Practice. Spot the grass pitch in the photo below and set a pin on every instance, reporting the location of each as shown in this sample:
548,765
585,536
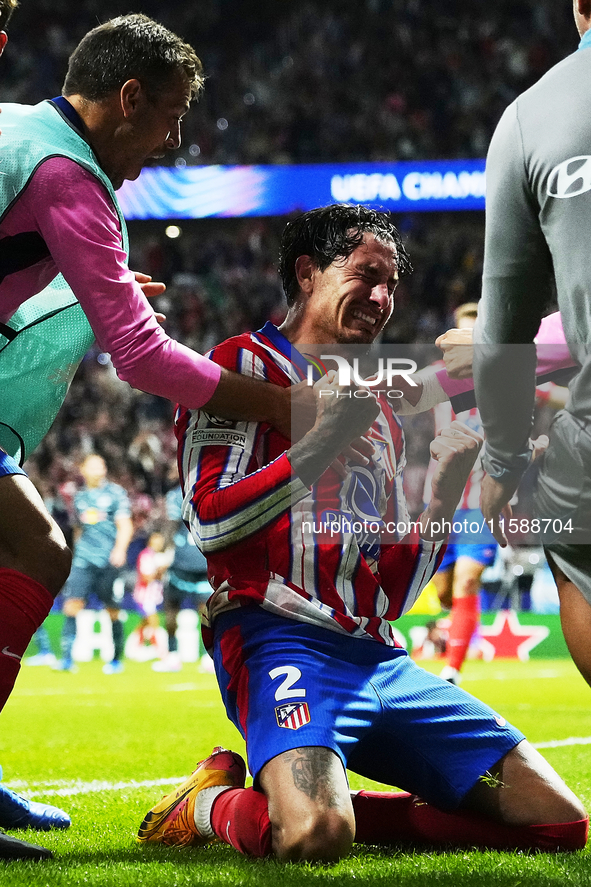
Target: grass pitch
105,748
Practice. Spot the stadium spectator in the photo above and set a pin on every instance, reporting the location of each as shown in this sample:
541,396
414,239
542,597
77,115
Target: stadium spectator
300,627
386,81
536,210
102,535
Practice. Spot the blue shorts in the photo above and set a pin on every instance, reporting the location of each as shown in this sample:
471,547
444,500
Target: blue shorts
184,584
470,528
286,684
483,554
90,579
9,466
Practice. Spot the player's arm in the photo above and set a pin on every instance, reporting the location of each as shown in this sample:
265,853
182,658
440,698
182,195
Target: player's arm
234,496
516,287
79,220
124,536
424,394
238,397
454,381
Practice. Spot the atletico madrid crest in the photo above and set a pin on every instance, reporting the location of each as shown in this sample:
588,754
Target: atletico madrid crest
293,715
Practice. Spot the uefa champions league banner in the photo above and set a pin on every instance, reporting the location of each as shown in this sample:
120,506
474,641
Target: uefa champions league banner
196,192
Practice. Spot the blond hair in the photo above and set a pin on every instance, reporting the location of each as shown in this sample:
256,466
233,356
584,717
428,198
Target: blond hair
468,309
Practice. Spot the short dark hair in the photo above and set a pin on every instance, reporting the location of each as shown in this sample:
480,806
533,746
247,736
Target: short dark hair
331,232
125,48
7,7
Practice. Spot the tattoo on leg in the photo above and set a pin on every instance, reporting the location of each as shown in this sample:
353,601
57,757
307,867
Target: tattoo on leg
310,769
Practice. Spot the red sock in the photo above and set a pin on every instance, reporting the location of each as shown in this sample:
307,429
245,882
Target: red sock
24,604
465,617
388,817
383,817
240,817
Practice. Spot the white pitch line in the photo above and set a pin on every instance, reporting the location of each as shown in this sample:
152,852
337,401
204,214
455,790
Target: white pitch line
558,743
63,788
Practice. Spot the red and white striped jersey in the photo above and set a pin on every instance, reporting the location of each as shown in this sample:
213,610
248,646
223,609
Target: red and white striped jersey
331,555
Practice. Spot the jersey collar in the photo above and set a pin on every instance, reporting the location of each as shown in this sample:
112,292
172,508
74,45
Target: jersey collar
70,112
286,348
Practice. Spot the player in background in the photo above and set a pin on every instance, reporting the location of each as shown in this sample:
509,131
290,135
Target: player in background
62,162
300,617
102,535
185,579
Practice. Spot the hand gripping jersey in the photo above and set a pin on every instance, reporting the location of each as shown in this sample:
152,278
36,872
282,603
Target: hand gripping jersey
331,556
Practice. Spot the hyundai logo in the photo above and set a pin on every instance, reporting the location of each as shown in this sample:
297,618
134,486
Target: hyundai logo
570,178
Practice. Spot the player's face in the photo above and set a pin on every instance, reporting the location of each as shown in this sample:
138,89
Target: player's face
352,300
151,129
93,470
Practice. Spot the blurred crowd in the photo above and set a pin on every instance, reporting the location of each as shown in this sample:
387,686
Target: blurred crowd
287,83
324,80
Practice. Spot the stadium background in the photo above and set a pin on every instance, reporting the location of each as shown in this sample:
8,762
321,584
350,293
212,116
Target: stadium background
331,82
371,80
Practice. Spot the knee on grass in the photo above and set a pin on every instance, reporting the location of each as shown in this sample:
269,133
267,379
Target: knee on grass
327,837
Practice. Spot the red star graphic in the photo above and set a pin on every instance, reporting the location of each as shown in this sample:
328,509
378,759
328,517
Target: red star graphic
506,638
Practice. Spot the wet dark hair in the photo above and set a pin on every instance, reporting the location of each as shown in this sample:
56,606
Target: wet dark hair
130,47
7,7
333,232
